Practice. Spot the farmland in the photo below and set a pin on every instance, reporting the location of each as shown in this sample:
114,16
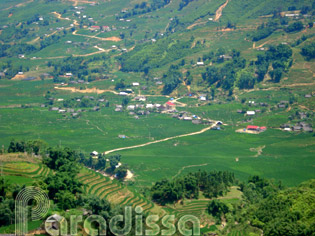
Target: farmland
105,102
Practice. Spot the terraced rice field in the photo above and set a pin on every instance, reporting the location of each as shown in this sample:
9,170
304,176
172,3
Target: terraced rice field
97,184
25,169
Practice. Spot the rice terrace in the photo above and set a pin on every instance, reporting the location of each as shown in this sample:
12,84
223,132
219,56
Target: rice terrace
197,116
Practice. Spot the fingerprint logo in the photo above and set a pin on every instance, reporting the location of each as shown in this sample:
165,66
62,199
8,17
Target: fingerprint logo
38,210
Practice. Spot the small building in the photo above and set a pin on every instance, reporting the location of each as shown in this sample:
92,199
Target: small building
307,129
68,74
281,105
135,84
225,57
149,106
94,153
189,118
95,27
203,98
170,106
196,122
296,128
253,127
250,113
308,96
122,136
131,107
123,93
54,109
200,63
239,111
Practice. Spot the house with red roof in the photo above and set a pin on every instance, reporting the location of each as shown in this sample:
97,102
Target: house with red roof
256,128
95,27
170,106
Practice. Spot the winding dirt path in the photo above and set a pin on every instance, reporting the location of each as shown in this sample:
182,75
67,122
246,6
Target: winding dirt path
87,90
114,39
218,13
161,140
185,167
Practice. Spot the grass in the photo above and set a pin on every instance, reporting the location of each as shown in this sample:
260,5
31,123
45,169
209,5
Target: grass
278,159
32,225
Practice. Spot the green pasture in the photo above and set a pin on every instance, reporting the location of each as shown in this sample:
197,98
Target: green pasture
285,156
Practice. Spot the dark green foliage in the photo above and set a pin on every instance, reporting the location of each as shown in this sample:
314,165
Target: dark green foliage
246,81
217,208
276,75
280,59
183,4
212,184
308,51
31,146
277,211
63,187
262,33
62,159
121,172
3,188
224,76
295,27
120,85
171,80
7,213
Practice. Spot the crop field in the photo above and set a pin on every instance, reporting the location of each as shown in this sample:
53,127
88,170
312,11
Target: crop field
285,156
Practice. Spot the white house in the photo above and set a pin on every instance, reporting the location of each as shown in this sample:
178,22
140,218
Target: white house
135,84
68,74
94,153
250,113
149,106
123,93
131,107
203,98
200,63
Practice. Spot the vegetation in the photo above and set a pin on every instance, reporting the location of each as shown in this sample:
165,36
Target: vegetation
212,184
308,51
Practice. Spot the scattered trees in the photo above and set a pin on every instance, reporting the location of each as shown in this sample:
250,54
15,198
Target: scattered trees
212,184
308,51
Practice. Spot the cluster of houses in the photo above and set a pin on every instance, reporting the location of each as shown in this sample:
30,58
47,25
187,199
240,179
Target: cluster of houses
283,104
300,126
75,112
145,109
104,28
66,110
253,111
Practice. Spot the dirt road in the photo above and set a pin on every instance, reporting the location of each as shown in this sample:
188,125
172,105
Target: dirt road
218,13
161,140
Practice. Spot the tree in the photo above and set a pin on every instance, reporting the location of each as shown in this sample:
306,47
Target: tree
308,51
66,200
125,101
217,208
276,75
3,188
294,27
121,172
246,81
